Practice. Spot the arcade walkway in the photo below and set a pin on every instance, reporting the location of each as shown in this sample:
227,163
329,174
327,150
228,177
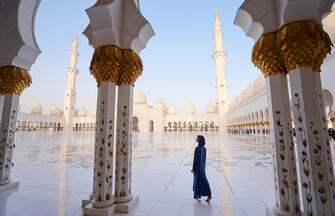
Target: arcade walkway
55,175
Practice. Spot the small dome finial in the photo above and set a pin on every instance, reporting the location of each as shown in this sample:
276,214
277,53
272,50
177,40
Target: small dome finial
76,37
217,14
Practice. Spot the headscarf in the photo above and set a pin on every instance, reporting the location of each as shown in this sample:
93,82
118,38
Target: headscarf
201,140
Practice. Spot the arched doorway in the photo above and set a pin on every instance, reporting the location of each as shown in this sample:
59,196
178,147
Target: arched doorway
135,124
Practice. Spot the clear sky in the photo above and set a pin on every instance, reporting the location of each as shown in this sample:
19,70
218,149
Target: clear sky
178,67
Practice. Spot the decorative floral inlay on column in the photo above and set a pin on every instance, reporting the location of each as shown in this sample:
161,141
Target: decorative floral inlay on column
327,146
100,152
6,147
109,161
104,151
306,164
284,184
123,174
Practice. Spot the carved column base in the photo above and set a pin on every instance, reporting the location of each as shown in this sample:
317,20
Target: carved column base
124,199
90,210
128,206
274,211
103,204
125,207
9,185
85,202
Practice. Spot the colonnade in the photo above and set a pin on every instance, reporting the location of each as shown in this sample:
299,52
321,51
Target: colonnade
293,44
251,123
191,126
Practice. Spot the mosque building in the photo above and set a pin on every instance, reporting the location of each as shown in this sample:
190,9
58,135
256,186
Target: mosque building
246,113
159,117
292,102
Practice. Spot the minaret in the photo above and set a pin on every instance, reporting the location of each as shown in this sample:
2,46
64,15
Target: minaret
70,95
221,82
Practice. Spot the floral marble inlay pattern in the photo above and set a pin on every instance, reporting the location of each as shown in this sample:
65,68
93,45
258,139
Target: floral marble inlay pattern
327,147
304,158
104,155
286,173
311,154
7,135
123,163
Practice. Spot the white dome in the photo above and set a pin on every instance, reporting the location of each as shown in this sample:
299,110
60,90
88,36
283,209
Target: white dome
210,108
171,109
190,109
36,109
82,112
55,111
94,111
140,98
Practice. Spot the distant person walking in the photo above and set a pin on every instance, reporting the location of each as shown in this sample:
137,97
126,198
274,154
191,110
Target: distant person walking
200,183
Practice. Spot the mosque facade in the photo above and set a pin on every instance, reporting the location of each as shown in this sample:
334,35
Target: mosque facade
246,114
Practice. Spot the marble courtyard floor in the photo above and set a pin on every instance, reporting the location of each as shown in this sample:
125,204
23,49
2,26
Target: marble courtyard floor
55,174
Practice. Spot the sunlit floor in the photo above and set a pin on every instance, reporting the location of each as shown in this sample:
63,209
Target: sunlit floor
55,174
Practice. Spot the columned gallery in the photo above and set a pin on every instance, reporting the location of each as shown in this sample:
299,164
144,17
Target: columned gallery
125,149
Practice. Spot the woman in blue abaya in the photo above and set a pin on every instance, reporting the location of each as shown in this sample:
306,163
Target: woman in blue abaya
200,183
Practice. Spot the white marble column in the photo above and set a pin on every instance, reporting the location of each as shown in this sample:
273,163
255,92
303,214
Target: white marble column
7,137
284,162
104,146
123,172
325,134
312,151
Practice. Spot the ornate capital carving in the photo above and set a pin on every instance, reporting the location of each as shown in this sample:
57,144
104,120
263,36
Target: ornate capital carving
298,44
131,69
13,80
304,44
266,55
112,64
106,64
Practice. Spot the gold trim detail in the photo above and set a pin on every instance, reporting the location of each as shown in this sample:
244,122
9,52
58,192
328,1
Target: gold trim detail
304,44
131,69
106,64
13,80
267,57
295,45
113,64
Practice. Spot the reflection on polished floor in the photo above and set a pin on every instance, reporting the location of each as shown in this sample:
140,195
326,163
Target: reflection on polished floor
55,174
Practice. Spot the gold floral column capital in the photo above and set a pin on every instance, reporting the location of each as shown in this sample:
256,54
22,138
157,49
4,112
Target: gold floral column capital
106,64
13,80
303,44
113,64
267,57
131,68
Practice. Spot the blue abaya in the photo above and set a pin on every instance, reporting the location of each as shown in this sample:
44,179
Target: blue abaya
200,183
